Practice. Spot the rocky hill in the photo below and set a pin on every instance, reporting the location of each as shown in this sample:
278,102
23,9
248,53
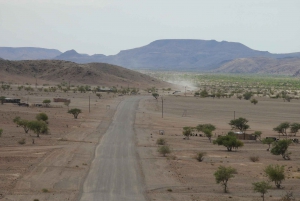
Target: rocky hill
27,53
72,55
58,71
261,65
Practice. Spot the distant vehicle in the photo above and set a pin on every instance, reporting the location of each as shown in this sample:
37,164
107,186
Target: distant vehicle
239,132
12,100
23,104
37,105
176,92
295,140
274,138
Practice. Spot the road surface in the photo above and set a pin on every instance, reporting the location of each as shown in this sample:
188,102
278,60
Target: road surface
114,174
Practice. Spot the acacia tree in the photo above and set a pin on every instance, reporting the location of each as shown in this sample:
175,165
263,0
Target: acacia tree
38,127
229,141
81,89
75,112
268,141
155,95
204,93
98,95
282,128
294,128
22,123
207,129
187,132
281,148
240,124
42,117
275,173
223,174
2,99
257,135
261,187
47,102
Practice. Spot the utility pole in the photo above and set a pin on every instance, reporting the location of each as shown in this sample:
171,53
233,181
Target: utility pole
234,115
185,91
35,81
89,104
162,107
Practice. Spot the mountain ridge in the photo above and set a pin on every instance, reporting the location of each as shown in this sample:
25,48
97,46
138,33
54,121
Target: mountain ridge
174,54
180,54
27,53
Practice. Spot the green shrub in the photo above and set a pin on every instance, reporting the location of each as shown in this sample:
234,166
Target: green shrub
164,150
42,117
161,141
288,197
22,141
200,156
45,190
254,101
247,95
254,158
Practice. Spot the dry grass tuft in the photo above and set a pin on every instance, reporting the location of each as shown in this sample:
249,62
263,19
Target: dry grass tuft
254,158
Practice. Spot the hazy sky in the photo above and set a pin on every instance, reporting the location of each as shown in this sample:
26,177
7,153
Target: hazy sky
108,26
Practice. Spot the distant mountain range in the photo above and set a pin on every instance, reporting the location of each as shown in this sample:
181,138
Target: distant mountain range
176,55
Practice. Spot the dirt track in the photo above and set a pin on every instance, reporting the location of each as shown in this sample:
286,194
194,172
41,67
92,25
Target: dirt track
114,173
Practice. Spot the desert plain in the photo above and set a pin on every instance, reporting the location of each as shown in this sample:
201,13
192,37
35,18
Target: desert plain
56,165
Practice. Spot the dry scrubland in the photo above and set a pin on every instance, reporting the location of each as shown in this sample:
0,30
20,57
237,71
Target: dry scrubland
181,177
54,167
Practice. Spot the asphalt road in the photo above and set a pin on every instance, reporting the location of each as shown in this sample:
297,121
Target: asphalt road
114,174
